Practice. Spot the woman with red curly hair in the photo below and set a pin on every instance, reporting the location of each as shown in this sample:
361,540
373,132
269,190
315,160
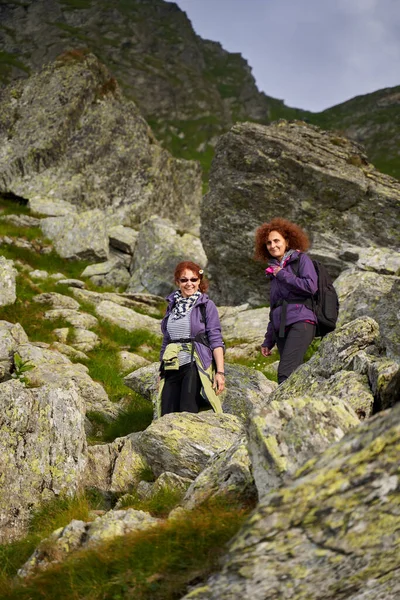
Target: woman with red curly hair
294,282
191,340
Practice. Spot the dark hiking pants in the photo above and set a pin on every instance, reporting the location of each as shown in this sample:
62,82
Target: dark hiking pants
181,390
293,347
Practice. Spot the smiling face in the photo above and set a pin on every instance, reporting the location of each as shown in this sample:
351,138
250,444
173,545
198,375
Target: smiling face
276,245
188,287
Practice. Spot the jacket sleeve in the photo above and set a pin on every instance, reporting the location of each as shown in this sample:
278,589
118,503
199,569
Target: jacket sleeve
306,281
269,337
213,329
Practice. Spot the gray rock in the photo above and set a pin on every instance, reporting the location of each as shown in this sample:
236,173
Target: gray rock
50,207
84,340
182,443
295,170
53,368
100,268
8,275
325,529
69,351
126,318
21,220
74,283
338,255
242,323
11,336
147,303
57,300
39,274
246,388
144,381
365,293
116,466
78,237
74,317
129,361
158,250
228,475
42,449
118,277
123,238
329,374
285,434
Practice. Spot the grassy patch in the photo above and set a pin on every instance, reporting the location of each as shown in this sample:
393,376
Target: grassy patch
158,564
159,505
50,516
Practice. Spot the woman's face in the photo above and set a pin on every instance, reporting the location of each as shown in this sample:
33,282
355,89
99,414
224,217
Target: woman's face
188,283
276,245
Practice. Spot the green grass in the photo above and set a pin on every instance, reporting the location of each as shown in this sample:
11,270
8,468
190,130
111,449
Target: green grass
158,564
159,505
50,516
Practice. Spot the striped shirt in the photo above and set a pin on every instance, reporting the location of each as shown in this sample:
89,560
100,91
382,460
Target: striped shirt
180,329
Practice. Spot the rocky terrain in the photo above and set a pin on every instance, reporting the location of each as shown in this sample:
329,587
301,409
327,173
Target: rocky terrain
314,448
292,489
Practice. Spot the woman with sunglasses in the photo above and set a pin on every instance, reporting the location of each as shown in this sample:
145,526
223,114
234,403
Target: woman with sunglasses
192,351
294,282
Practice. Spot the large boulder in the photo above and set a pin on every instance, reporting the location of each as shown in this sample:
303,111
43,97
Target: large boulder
332,372
182,443
315,178
333,532
42,449
378,296
126,318
246,389
54,368
243,323
320,402
80,236
158,250
68,133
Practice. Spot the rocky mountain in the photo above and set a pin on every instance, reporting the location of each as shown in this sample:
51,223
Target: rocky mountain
190,90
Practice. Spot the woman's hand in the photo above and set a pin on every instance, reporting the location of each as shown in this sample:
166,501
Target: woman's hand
276,271
265,351
219,383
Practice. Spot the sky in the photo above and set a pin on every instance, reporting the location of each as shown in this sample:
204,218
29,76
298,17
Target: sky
313,54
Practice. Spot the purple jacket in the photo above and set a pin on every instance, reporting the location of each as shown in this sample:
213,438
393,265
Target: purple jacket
213,329
286,286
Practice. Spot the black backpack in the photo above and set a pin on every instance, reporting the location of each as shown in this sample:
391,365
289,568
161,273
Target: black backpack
325,302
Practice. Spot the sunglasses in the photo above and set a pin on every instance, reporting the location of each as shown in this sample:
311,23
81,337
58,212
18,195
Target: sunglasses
185,279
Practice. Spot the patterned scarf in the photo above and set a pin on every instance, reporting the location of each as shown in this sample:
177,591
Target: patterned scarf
183,305
274,262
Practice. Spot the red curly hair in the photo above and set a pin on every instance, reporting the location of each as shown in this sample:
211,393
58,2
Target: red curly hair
195,268
296,238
